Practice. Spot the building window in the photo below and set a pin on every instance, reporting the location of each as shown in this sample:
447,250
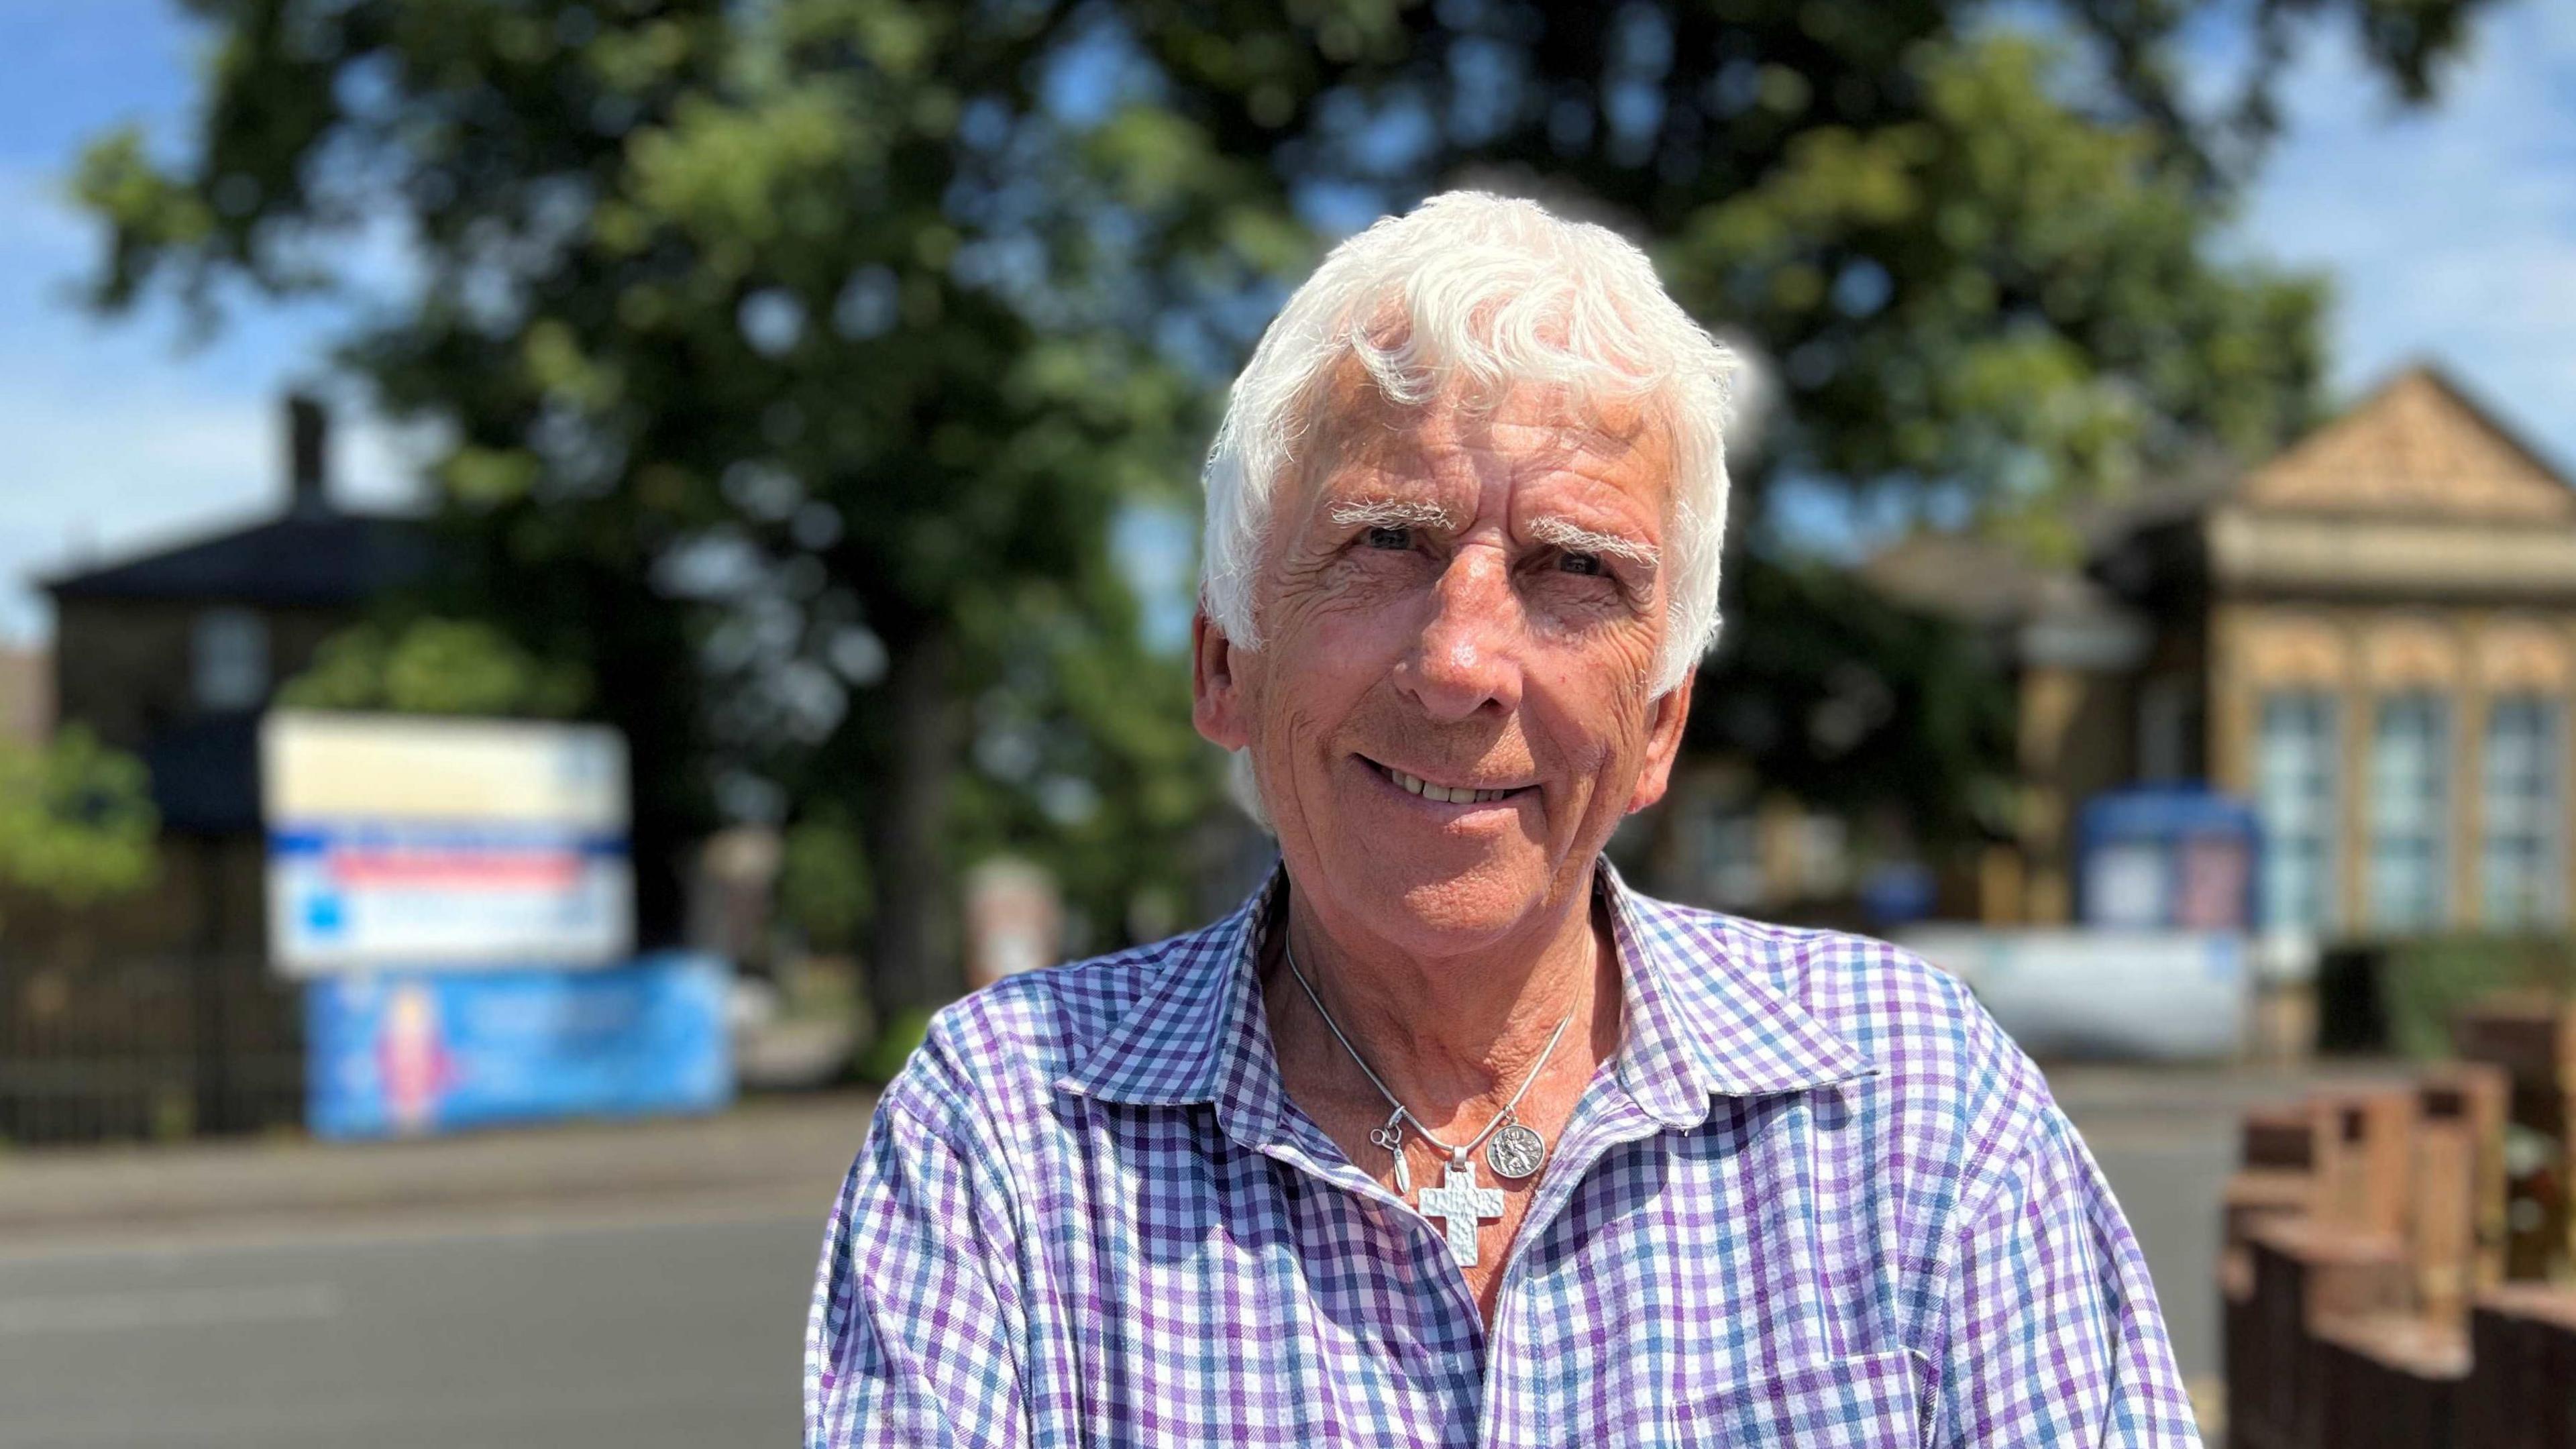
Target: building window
2295,774
2410,755
228,659
2519,810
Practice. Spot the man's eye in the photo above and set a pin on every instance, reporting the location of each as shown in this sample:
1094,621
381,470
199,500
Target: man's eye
1390,537
1579,563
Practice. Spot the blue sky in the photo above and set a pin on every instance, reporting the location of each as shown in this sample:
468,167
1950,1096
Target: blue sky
2449,235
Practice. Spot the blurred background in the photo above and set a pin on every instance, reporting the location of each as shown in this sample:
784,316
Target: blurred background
570,571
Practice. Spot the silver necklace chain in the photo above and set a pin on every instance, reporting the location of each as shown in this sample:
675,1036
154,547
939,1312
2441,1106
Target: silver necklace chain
1457,1155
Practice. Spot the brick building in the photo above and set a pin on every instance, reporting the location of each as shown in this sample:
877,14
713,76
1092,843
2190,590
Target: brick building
2371,637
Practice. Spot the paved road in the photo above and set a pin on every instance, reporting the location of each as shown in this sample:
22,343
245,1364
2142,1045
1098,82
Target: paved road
676,1328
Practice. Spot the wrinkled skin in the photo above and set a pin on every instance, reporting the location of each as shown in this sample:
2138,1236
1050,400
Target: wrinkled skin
1472,652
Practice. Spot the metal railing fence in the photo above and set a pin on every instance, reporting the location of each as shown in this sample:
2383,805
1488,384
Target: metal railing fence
147,1048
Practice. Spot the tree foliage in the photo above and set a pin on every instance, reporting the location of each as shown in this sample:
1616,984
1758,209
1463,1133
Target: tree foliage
796,357
435,666
763,382
76,820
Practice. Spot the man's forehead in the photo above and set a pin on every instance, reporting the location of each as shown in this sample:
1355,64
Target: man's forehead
1368,443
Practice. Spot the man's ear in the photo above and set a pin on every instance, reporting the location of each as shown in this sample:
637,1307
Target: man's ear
1663,743
1217,705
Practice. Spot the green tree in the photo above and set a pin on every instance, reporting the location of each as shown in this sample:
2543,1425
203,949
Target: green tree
435,666
798,355
764,375
76,821
1975,250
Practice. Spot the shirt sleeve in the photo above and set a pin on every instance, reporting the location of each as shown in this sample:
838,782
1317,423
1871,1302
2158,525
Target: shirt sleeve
2054,1335
913,1337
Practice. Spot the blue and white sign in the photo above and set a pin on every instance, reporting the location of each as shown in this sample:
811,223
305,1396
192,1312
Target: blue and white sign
2167,858
435,843
407,1052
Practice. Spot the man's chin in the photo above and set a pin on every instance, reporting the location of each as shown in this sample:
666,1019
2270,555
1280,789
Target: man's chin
1444,890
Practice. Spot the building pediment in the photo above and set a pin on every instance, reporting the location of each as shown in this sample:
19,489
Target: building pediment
2418,448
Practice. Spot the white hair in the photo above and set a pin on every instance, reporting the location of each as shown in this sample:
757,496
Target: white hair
1476,293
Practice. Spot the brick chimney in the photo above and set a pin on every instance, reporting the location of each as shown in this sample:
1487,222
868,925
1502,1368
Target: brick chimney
307,432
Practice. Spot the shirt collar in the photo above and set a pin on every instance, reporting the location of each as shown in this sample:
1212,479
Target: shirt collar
1198,1034
1700,1022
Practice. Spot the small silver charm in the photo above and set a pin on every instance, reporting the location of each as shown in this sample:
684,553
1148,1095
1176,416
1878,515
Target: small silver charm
1391,1137
1514,1152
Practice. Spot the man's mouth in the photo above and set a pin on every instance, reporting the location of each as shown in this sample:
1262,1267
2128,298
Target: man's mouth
1445,794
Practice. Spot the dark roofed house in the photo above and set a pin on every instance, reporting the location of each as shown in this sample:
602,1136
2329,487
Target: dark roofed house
174,653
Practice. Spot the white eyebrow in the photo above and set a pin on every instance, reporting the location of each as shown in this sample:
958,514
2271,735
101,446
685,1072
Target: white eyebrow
1390,513
1562,534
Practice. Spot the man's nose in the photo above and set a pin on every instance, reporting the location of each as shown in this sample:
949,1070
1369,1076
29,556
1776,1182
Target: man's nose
1468,656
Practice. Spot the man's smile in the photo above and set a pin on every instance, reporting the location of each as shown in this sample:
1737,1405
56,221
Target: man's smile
1454,798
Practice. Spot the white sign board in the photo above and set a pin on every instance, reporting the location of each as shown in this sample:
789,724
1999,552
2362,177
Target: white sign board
404,841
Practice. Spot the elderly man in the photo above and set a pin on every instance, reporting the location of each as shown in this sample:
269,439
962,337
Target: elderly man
1445,1136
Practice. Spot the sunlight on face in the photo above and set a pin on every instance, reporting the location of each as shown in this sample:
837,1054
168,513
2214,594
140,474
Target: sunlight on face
1466,603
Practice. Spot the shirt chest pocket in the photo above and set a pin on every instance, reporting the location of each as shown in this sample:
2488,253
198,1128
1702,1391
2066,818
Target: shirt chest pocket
1865,1402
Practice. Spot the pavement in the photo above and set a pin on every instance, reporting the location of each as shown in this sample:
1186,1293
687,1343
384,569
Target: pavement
776,1151
638,1284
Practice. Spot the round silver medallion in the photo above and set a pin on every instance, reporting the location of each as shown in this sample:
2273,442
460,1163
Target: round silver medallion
1514,1151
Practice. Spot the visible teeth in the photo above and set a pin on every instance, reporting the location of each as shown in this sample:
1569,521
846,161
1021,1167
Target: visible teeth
1442,793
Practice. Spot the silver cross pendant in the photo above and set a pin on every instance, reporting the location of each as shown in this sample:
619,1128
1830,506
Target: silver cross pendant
1461,1204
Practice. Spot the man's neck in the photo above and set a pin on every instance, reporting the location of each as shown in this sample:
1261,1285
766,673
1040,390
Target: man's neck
1455,1035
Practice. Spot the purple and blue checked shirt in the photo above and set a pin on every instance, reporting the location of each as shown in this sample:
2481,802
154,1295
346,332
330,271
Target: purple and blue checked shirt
1817,1199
